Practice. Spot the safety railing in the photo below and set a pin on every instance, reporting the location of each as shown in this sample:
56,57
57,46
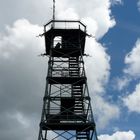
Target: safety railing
64,24
66,72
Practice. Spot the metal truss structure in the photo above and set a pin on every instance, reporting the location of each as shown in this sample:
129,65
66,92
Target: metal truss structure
67,112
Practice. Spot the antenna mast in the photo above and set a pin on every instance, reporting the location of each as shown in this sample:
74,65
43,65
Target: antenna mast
53,9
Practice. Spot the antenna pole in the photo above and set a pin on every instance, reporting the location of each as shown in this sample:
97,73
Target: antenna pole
53,9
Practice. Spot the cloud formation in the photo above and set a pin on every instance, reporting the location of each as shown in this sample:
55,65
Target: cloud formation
19,37
98,72
131,70
132,61
22,72
98,11
138,4
131,73
115,2
119,135
121,82
132,101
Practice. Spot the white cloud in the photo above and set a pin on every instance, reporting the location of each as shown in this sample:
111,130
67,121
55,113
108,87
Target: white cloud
119,135
21,72
20,118
114,2
98,11
98,72
68,14
120,83
105,112
132,101
132,61
138,4
97,65
131,70
21,35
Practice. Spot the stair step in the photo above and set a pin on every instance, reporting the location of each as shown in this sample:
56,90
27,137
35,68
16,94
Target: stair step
77,95
73,59
73,64
75,88
77,102
81,107
78,87
74,70
74,67
80,110
77,92
78,105
74,73
82,138
82,133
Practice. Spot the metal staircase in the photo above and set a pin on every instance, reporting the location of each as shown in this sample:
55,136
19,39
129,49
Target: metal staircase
83,135
77,91
73,67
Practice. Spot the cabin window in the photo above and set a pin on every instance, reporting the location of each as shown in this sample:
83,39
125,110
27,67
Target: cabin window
57,42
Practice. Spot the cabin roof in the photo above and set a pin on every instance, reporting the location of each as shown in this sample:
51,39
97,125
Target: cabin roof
65,24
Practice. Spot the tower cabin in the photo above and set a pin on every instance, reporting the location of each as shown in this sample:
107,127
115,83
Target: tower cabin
64,37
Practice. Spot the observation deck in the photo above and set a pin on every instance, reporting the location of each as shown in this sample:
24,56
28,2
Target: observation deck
64,38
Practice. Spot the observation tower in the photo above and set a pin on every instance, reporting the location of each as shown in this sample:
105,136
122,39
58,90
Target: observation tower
67,112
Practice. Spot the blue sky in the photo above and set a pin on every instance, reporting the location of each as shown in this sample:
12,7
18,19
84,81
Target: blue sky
113,70
119,41
123,36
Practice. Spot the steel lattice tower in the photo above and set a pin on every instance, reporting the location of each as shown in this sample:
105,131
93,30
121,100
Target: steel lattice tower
67,112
